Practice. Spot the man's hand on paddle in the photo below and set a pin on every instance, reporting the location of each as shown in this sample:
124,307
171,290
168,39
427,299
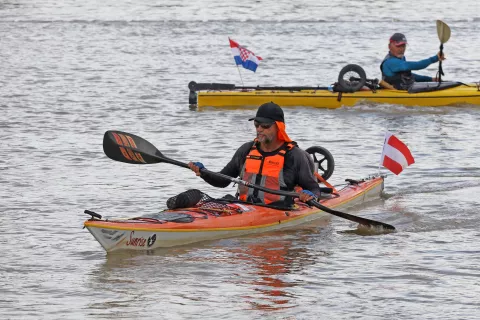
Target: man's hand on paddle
306,195
441,57
196,167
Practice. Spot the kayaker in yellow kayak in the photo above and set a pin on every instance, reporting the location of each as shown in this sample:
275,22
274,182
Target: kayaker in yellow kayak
397,71
272,160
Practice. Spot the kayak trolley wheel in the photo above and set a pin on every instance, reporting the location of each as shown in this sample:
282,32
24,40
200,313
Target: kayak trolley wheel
192,85
322,160
352,78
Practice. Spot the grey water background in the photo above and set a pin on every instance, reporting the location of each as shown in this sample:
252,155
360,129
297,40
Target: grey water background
70,70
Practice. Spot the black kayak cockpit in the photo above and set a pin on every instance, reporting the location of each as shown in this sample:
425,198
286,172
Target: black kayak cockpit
419,87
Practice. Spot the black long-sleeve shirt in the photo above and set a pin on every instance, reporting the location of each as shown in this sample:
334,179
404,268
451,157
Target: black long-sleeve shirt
297,169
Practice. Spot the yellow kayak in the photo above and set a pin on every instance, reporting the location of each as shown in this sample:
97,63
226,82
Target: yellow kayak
448,94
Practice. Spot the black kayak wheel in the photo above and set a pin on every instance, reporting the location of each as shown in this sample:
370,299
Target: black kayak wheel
323,161
192,85
352,78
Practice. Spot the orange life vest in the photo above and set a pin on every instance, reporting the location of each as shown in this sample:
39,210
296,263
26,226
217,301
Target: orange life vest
263,171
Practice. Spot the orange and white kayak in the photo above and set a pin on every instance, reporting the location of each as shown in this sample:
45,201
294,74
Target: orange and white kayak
206,222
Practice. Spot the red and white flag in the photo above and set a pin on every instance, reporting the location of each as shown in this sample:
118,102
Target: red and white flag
395,155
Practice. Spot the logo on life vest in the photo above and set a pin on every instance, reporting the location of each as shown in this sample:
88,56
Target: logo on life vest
273,163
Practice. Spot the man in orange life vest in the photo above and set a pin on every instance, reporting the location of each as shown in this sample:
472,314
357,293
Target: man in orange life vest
272,160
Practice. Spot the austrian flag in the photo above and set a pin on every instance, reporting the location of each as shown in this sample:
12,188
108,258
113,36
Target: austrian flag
395,155
244,57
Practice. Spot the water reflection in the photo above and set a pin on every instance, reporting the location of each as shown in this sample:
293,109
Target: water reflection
272,262
259,271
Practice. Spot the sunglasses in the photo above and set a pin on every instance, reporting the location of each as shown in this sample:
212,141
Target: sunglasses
263,125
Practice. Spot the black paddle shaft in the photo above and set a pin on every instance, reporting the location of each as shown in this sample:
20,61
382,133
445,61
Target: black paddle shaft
440,69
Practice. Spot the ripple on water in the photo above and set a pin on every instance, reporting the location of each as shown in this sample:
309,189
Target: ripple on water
71,71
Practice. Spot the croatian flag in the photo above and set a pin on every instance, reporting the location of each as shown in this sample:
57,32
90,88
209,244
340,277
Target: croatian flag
395,155
244,57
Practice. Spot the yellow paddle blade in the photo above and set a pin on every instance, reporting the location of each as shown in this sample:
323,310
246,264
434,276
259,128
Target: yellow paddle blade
443,31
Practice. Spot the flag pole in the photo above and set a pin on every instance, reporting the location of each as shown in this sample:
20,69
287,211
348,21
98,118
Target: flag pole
240,74
383,150
241,80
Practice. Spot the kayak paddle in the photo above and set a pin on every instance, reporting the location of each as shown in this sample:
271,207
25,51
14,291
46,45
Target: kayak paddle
129,148
443,31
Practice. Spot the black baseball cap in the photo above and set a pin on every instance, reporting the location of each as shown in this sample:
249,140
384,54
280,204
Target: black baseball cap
268,113
398,39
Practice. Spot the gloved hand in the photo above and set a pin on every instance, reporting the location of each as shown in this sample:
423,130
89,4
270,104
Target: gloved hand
199,165
307,195
196,167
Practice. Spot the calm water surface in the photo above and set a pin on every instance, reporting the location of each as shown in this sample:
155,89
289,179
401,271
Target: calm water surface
73,69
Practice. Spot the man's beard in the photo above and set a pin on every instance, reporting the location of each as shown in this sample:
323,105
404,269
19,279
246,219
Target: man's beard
266,139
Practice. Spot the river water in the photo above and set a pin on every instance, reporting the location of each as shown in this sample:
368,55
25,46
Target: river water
70,70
